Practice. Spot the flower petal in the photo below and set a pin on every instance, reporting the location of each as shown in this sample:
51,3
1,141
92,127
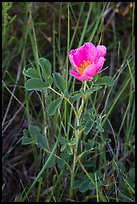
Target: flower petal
101,49
79,56
93,69
91,51
78,76
83,78
100,63
86,52
73,73
71,54
87,61
90,70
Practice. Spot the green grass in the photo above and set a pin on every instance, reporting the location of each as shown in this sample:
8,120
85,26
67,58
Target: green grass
51,30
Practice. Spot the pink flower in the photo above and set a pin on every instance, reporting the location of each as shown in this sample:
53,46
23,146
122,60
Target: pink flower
87,61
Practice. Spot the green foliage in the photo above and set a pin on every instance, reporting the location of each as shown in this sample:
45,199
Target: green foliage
35,84
26,139
46,67
66,145
89,145
107,81
75,96
41,141
33,131
52,162
132,174
126,183
66,94
83,184
33,136
91,120
46,70
61,163
31,72
91,90
59,82
53,106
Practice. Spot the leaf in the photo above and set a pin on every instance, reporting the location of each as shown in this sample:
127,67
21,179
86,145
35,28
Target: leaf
52,162
132,173
66,94
84,186
31,72
129,182
92,89
91,111
46,70
104,182
99,127
59,81
48,80
121,167
53,106
88,127
63,140
46,67
107,141
72,142
86,116
61,163
34,131
80,175
108,81
26,133
63,147
64,143
35,84
90,115
76,184
69,150
89,145
75,96
65,156
26,140
41,141
83,183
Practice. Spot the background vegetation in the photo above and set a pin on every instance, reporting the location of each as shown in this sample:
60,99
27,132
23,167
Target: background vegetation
42,29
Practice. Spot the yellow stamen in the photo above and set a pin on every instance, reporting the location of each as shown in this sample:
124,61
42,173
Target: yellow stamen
82,67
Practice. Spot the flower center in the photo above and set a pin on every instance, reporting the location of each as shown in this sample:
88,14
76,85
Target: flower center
83,66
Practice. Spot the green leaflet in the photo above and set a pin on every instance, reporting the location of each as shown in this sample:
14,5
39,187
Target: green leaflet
45,66
53,106
46,70
35,84
59,81
107,81
31,72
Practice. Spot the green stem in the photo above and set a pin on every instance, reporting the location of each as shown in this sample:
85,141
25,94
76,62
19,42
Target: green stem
74,160
77,133
76,138
82,102
76,114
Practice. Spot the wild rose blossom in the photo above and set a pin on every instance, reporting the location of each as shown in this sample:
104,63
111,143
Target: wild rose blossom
87,61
